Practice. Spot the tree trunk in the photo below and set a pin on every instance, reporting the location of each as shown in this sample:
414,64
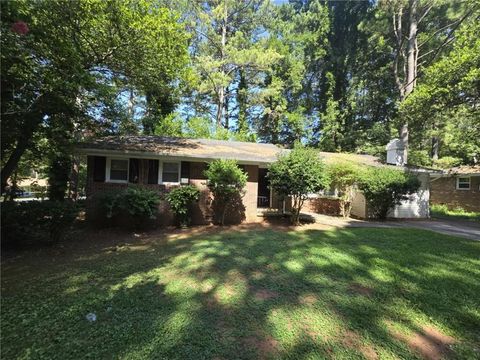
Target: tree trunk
131,105
32,121
404,138
226,111
411,48
411,68
221,90
220,105
242,103
224,211
435,147
73,188
13,160
398,29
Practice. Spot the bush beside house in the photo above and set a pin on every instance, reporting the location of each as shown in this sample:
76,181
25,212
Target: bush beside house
134,205
297,174
180,200
344,176
226,181
384,188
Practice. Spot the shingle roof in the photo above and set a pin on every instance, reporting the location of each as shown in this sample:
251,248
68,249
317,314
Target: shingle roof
187,148
207,149
464,170
360,159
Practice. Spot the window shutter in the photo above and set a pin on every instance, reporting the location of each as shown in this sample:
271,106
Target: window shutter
99,164
133,171
185,170
153,171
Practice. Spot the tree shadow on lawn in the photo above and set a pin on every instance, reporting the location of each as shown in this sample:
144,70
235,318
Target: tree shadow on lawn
250,293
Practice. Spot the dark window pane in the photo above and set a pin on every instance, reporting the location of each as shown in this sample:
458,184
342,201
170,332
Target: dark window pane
170,167
118,169
170,172
119,164
118,175
170,177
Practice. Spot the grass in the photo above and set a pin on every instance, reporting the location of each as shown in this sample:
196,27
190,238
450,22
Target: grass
443,212
246,294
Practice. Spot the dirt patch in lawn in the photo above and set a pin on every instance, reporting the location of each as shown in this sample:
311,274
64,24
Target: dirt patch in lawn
265,294
353,341
257,275
429,343
308,299
265,346
360,290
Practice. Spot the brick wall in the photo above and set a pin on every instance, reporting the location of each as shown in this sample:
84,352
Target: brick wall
202,211
322,205
444,191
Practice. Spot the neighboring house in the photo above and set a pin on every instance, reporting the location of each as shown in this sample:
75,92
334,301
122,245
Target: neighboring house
161,163
457,187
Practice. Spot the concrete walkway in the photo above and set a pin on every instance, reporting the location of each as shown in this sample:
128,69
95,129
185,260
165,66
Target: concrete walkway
462,228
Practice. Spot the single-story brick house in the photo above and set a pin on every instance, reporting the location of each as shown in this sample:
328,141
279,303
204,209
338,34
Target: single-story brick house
161,163
457,187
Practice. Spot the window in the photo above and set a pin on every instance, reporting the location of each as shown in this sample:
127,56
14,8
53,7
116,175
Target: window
170,173
463,183
117,170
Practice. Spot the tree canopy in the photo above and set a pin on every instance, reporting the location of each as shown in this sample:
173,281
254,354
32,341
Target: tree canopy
66,66
336,75
298,174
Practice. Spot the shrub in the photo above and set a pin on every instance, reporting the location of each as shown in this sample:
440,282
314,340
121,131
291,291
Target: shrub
344,177
297,174
180,200
58,176
419,158
32,222
138,202
40,192
447,162
226,182
384,188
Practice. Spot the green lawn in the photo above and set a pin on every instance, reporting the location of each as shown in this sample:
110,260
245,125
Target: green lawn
443,212
345,294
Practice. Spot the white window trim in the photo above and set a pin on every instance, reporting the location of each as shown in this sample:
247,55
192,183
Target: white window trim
160,173
108,166
469,182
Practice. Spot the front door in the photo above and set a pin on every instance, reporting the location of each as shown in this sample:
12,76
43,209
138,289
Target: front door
263,200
